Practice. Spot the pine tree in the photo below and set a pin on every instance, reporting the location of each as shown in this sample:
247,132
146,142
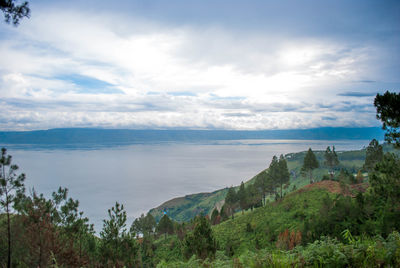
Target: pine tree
284,175
242,197
118,245
201,242
387,110
260,185
310,163
231,200
373,155
331,160
165,226
11,187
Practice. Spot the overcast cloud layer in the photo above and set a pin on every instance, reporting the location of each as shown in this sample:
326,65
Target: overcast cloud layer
204,65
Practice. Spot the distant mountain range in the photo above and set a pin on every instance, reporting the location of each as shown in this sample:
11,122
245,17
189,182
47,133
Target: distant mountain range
128,136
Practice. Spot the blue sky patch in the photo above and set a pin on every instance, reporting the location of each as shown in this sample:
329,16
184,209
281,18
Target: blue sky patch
90,85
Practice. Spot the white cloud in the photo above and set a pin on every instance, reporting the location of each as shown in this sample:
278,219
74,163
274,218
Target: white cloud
275,81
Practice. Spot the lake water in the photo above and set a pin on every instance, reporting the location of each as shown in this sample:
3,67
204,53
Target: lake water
142,176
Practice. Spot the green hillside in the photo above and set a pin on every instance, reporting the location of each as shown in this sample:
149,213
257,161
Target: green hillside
183,209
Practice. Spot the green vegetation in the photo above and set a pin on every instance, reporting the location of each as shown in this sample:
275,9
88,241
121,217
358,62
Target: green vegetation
309,164
387,110
338,221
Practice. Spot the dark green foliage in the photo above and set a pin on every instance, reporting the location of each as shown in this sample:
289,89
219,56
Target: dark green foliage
388,111
11,188
385,188
385,180
254,199
231,200
165,226
14,12
118,246
242,197
260,185
144,225
346,177
331,159
373,155
310,163
283,174
201,241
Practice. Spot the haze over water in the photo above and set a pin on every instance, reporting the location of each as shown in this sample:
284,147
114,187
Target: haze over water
142,176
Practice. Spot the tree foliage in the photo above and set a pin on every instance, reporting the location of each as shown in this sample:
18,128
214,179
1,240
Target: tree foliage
331,159
118,247
231,200
373,155
388,111
201,242
144,225
165,226
13,12
11,188
283,174
310,163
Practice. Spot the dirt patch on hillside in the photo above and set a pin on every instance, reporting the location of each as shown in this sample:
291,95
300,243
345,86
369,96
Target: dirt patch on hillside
334,187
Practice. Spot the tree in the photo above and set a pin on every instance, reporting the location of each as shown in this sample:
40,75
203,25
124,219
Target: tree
144,225
254,199
385,191
283,174
373,155
310,163
201,241
11,187
231,200
260,185
165,226
14,12
242,197
388,111
118,245
331,160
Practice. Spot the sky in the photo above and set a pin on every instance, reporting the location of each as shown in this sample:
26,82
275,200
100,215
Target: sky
179,64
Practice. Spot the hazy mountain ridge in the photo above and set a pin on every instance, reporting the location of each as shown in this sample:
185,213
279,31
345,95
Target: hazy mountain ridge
128,136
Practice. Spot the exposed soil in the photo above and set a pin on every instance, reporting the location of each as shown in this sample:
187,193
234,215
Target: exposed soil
334,187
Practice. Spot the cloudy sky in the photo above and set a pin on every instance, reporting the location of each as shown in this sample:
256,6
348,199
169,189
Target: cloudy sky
210,64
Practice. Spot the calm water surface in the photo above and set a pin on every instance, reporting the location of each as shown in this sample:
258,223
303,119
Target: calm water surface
143,176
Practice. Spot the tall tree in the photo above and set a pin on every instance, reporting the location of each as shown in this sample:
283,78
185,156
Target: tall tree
242,197
231,200
260,185
254,199
14,12
310,163
11,187
201,242
144,225
331,160
118,245
373,155
388,111
165,226
283,174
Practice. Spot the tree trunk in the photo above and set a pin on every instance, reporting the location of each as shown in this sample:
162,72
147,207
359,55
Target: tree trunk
8,236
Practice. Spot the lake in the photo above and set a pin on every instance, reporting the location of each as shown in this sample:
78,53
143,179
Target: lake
142,176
